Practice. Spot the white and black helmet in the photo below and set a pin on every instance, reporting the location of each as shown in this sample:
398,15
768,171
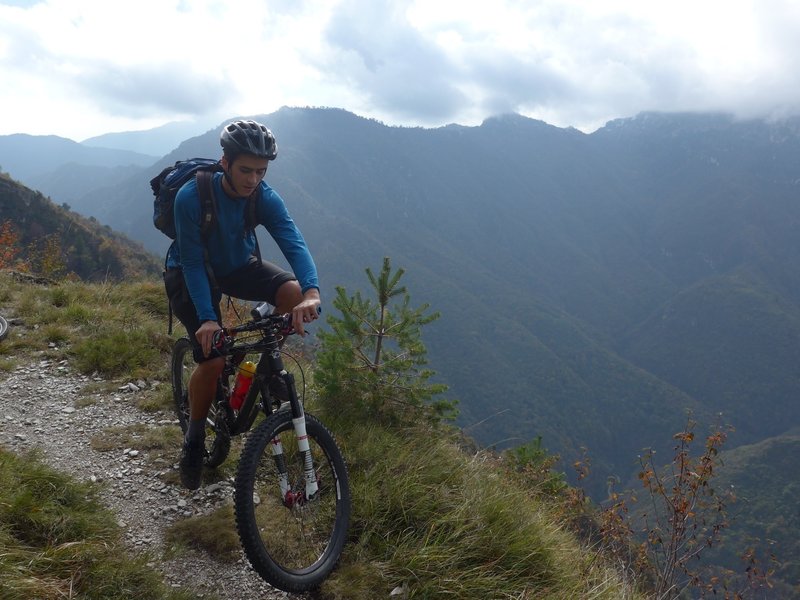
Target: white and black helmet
248,137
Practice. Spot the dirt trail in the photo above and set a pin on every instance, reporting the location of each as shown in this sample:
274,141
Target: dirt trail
38,409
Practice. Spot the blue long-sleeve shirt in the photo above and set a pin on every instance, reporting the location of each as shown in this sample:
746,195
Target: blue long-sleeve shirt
229,245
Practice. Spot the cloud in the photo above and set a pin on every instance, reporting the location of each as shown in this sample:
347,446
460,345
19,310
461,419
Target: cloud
139,90
509,83
84,64
374,48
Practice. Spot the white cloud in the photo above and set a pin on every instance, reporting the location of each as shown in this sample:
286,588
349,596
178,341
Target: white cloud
83,67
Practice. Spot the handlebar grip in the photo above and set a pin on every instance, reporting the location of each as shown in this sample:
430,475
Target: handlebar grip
289,317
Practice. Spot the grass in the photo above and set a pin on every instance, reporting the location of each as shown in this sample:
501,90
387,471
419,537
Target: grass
428,517
57,541
439,523
213,533
114,330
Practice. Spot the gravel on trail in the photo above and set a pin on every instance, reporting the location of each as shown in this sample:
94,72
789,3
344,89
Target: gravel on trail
44,405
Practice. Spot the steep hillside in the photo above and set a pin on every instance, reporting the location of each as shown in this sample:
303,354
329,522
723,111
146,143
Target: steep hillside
730,327
569,268
68,243
766,514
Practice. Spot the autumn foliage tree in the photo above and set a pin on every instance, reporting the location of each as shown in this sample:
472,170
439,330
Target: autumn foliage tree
9,248
49,257
683,515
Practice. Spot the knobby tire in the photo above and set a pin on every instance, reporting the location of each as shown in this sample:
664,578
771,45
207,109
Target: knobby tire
292,548
3,327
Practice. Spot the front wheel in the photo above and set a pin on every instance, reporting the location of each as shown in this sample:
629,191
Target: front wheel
218,439
292,541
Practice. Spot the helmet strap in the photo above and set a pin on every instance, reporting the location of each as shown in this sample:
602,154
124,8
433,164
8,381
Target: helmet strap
226,174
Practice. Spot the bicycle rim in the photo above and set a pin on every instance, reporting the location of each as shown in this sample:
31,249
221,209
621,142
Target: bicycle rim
292,543
182,367
3,328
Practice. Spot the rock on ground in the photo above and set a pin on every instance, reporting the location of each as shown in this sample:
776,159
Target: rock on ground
38,409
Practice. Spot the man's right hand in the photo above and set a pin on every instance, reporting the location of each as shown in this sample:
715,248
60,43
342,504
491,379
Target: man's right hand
205,335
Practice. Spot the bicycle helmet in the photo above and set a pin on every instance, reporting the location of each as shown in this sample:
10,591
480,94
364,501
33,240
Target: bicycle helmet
248,137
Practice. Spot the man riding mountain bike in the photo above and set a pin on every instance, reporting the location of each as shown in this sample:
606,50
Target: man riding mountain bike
203,266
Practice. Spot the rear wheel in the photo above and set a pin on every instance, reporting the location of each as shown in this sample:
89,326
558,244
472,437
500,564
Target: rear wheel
3,328
218,439
292,541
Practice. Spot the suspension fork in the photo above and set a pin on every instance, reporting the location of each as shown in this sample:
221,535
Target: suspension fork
291,497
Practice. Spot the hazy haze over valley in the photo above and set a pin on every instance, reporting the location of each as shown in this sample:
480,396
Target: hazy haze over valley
592,287
600,198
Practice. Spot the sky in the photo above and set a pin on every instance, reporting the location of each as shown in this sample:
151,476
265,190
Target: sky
80,68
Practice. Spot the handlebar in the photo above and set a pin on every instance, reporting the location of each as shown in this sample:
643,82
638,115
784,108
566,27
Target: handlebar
263,320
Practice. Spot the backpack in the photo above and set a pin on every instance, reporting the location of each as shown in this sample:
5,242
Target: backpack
165,187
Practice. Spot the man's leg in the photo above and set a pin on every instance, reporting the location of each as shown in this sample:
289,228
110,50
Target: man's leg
202,383
202,387
261,280
287,297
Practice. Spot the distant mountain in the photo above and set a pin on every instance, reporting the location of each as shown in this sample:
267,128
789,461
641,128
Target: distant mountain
71,182
26,157
71,243
592,287
157,141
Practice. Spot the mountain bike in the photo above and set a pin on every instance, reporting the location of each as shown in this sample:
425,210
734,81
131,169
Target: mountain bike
291,491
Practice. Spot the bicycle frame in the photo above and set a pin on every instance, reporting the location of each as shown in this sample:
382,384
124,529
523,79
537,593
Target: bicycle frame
291,492
270,363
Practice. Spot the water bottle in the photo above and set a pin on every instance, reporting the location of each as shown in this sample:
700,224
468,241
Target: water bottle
243,380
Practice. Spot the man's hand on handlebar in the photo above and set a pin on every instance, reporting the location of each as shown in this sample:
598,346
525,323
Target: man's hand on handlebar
308,310
205,335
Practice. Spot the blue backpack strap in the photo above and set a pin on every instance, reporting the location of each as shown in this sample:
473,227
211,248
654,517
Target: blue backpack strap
250,218
208,215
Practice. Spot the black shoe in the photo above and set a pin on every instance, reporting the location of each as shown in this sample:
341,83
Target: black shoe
191,465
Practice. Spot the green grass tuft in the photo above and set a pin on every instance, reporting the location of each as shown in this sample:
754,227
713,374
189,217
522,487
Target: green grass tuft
428,517
57,541
214,533
443,524
113,352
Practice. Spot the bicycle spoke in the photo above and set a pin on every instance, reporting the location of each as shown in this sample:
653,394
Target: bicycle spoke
294,530
292,541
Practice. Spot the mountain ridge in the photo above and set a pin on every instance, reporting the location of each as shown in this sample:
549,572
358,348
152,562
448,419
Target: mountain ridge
26,156
593,287
525,219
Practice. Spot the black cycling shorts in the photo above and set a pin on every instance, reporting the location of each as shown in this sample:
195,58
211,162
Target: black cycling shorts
257,281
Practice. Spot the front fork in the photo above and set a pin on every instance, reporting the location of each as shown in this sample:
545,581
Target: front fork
293,497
